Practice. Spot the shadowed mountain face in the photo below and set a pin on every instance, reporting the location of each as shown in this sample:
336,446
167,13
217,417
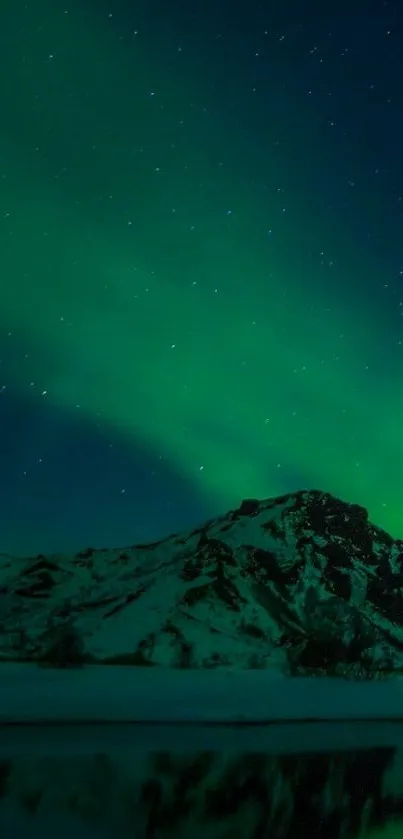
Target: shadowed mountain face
302,583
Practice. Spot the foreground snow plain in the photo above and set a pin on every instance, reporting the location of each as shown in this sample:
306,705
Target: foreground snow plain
46,710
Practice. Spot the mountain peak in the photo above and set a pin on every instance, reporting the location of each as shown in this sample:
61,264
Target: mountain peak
302,583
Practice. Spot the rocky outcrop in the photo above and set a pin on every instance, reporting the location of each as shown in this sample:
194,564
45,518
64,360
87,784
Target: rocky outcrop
303,583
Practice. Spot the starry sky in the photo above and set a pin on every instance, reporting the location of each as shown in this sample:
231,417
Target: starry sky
201,263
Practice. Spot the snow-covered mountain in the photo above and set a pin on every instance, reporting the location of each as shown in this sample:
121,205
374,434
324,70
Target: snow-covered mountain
303,583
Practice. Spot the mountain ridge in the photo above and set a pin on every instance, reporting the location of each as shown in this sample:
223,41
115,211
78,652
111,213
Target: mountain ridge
303,583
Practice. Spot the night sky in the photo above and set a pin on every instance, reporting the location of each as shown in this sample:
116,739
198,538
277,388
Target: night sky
201,262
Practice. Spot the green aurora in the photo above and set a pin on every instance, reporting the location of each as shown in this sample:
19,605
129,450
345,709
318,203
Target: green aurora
180,292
